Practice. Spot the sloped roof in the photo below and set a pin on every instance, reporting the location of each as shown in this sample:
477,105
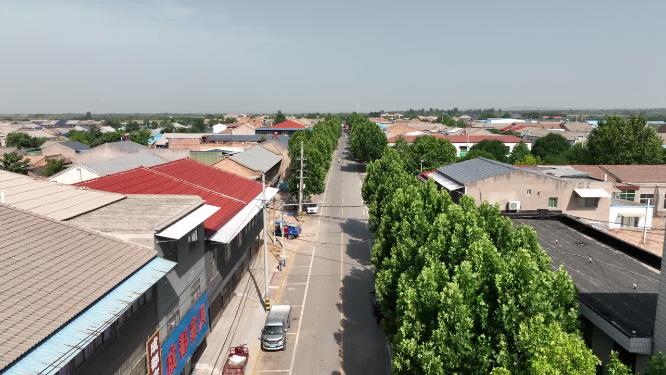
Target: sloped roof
257,158
59,202
185,177
475,170
643,173
462,138
288,124
75,145
121,163
50,272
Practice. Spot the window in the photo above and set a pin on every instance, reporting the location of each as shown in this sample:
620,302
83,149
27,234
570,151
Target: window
193,239
170,250
664,200
647,198
173,321
227,253
627,221
195,291
588,202
552,202
628,195
529,192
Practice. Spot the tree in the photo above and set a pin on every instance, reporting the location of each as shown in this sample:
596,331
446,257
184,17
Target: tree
620,141
519,153
551,148
367,140
461,289
476,153
495,148
53,166
528,160
13,162
88,115
578,154
141,136
616,367
656,365
23,140
279,117
427,152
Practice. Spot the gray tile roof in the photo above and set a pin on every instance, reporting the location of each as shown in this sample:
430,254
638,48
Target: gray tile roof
76,146
235,138
257,158
50,272
59,202
475,170
123,162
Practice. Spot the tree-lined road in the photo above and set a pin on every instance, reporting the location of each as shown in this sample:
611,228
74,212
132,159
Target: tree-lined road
328,285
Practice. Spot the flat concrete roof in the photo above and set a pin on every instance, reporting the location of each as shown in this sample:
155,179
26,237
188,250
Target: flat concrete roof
138,217
604,276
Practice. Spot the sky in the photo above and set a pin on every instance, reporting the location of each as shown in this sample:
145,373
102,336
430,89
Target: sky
61,56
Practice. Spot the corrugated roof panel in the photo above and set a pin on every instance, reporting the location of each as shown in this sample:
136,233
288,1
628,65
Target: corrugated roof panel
56,351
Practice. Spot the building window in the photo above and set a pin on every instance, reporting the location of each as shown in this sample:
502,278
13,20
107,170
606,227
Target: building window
664,200
195,291
173,321
588,202
529,192
628,221
170,250
193,239
552,202
227,253
647,198
628,195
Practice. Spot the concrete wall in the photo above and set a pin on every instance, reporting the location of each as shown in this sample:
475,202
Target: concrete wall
533,192
227,262
617,211
184,284
465,144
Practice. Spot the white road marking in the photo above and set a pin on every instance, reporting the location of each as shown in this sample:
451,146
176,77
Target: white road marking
305,295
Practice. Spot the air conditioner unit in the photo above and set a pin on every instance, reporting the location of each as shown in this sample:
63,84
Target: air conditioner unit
514,205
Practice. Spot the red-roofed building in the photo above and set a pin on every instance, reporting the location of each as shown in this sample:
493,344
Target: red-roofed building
286,127
463,142
233,233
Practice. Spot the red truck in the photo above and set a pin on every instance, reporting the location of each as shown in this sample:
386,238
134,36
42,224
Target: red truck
236,360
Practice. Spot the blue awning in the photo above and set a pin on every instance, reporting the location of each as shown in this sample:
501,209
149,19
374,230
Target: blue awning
55,352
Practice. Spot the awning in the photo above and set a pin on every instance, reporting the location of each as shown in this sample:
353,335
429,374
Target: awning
626,187
238,222
631,211
448,184
55,352
592,193
190,221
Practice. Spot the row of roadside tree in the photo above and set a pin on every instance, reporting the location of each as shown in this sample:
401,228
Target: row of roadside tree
318,143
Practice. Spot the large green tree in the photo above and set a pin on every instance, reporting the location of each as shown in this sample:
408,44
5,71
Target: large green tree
461,289
625,141
279,117
367,139
616,367
497,149
23,140
519,153
54,166
13,162
656,365
551,148
426,153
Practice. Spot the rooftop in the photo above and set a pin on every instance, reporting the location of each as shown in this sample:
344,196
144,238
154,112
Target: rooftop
138,217
76,146
475,170
59,202
186,177
604,276
50,272
257,158
288,124
461,138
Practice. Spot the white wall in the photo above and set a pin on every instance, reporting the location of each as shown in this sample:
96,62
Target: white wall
614,218
73,175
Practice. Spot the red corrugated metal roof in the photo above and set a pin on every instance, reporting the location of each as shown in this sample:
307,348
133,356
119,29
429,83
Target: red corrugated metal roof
288,124
187,177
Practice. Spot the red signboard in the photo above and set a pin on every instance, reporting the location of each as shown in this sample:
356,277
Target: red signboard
154,354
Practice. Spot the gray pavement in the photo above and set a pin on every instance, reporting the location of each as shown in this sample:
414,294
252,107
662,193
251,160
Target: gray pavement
328,283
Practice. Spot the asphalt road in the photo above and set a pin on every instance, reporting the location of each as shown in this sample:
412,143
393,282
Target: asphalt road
328,285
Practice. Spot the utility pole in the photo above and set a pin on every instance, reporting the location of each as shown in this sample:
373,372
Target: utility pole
647,206
300,184
263,186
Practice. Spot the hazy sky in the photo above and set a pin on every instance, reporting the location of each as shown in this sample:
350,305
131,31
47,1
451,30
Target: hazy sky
335,55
